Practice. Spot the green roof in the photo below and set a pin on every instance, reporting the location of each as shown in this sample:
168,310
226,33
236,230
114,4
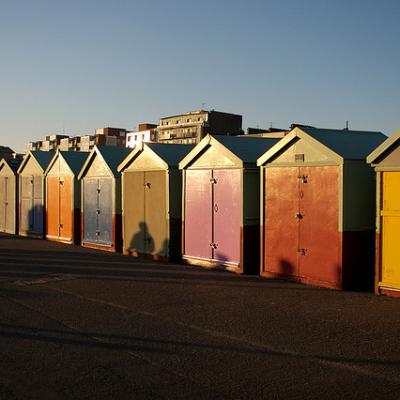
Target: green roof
43,158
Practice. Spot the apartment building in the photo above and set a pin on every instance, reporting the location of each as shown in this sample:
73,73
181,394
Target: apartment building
143,133
191,127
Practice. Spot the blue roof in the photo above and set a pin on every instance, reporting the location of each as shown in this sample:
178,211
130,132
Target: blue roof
75,159
43,158
248,149
354,145
172,154
113,156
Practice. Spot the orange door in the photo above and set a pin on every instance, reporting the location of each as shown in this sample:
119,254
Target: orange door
318,236
53,206
66,212
281,226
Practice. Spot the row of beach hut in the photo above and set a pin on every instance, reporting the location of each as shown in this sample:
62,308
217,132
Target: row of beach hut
306,207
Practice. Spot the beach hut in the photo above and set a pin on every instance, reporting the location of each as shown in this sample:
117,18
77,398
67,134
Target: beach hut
386,161
9,195
32,193
152,200
317,208
101,198
63,193
221,200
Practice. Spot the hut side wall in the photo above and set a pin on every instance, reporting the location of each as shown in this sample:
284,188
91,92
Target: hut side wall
358,231
8,200
175,213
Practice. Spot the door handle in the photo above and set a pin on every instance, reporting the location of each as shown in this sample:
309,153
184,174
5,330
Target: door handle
302,252
98,212
216,208
299,216
213,245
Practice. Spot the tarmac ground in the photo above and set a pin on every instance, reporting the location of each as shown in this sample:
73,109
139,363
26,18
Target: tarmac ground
83,324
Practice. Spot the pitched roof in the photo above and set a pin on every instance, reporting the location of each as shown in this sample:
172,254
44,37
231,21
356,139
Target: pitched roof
13,163
6,149
353,145
75,159
43,158
111,155
171,153
382,148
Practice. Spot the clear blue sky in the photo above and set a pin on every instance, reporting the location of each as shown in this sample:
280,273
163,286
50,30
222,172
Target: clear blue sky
77,65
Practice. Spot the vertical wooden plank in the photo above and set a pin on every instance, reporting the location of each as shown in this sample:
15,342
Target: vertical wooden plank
3,201
227,213
53,210
319,236
281,229
38,219
90,207
66,210
105,202
198,214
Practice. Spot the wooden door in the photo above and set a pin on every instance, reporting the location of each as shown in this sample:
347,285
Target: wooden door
198,214
10,204
156,229
3,200
26,210
104,215
133,209
38,205
90,207
65,209
226,216
281,226
53,207
390,273
319,257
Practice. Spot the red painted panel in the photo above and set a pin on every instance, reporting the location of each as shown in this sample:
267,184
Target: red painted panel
198,217
226,212
319,236
280,223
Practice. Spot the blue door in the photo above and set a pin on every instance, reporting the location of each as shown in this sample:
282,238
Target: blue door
104,215
90,207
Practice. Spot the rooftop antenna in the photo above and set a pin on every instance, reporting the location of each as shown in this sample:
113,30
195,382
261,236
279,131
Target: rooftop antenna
347,125
270,125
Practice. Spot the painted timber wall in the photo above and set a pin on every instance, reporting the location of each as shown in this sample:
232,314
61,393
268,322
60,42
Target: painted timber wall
221,204
101,200
9,196
32,194
152,201
386,161
63,205
318,212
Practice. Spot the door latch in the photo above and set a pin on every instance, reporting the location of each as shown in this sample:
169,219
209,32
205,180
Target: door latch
213,181
302,251
213,245
299,216
303,178
98,212
148,185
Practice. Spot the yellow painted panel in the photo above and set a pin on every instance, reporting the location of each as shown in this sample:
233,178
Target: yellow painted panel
391,191
391,251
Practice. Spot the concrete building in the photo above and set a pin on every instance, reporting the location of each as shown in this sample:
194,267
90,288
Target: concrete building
143,133
191,127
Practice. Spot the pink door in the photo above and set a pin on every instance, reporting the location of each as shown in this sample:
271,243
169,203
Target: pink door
198,215
226,215
281,221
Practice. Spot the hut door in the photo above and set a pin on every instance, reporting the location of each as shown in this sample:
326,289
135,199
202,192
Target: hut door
156,228
281,221
226,215
3,202
90,206
37,204
65,219
26,212
318,224
133,205
391,229
53,206
104,211
198,214
10,204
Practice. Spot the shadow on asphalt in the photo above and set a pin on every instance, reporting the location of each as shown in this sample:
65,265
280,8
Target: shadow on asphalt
27,264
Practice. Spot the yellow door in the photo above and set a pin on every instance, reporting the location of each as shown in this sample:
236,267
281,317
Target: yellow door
390,274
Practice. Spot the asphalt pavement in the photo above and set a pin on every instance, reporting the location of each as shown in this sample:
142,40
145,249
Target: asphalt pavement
83,324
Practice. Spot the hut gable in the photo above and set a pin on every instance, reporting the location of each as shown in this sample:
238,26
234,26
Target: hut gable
387,154
58,166
35,162
5,169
